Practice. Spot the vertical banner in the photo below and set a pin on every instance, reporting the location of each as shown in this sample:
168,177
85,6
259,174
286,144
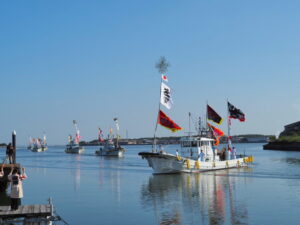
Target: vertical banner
165,96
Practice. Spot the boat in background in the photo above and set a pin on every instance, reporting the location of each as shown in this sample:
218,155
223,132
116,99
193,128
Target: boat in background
111,146
73,144
39,145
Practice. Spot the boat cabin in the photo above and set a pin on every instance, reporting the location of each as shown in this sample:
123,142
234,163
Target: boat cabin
191,148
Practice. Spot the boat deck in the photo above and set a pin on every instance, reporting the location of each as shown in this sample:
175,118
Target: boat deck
26,211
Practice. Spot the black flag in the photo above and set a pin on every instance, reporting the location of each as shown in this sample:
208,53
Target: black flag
235,113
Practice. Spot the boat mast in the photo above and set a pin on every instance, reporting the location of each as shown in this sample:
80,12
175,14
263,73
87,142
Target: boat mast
228,130
118,128
44,139
77,132
199,126
190,124
206,117
162,67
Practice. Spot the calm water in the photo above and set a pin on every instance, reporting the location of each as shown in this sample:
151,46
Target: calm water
89,189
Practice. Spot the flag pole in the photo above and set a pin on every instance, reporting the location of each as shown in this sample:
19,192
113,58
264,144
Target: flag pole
162,67
206,115
228,130
154,149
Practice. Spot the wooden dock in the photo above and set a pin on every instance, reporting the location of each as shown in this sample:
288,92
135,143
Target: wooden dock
26,211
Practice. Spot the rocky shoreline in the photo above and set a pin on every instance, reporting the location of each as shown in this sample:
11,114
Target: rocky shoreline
282,146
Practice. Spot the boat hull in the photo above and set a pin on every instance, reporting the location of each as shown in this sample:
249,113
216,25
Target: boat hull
39,149
74,150
163,163
111,152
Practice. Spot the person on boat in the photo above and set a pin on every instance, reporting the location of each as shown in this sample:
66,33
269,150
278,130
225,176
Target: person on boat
233,153
10,153
216,152
16,187
223,154
177,154
1,171
70,139
201,155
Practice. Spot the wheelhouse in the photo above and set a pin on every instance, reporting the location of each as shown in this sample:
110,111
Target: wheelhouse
192,146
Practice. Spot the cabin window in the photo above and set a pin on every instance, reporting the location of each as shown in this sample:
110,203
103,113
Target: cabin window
189,144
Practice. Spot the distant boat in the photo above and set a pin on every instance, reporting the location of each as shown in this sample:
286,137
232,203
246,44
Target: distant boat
38,145
110,149
111,146
73,144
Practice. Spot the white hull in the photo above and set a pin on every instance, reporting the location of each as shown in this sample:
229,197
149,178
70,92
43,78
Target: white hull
111,152
39,149
168,163
74,149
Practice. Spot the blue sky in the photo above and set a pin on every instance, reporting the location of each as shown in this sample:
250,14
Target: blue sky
94,60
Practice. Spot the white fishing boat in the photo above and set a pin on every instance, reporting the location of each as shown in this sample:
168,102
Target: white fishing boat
74,148
110,149
197,152
39,145
190,161
111,146
73,144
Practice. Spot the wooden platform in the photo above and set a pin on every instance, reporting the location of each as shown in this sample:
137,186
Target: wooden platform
26,211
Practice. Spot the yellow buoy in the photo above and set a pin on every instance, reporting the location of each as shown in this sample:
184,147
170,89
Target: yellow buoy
197,165
188,165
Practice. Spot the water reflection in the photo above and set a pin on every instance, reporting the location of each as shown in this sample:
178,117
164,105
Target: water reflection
110,178
294,161
77,173
208,198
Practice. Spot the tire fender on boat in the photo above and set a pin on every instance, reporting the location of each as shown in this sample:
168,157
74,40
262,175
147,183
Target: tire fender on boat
188,165
197,165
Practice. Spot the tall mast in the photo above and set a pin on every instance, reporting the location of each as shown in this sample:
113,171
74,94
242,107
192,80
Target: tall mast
162,67
118,129
228,129
206,116
189,124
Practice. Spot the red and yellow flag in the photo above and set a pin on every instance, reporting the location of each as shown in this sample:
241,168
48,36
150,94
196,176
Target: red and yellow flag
218,133
166,122
213,115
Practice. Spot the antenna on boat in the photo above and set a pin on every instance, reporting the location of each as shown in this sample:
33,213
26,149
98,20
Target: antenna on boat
199,124
162,66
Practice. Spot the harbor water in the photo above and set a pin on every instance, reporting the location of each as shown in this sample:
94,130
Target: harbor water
90,189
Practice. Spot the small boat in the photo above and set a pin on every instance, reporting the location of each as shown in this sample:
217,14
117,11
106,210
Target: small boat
111,146
110,149
74,148
73,145
39,145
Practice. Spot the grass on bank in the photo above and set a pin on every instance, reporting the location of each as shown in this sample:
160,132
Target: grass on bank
291,138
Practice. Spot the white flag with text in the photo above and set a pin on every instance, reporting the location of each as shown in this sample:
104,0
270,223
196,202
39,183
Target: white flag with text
165,96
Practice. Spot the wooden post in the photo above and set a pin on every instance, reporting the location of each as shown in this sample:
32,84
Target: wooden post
14,134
